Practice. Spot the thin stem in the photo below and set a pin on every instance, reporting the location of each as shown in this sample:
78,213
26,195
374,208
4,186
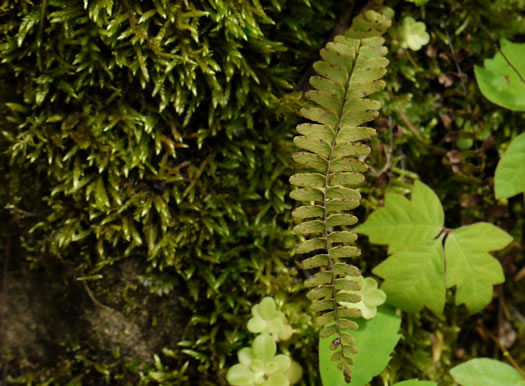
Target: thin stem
501,52
325,204
506,354
458,68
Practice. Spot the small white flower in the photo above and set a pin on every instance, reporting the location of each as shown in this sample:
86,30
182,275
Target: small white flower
266,319
413,34
258,365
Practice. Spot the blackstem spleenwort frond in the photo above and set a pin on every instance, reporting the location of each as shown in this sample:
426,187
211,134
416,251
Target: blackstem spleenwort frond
351,69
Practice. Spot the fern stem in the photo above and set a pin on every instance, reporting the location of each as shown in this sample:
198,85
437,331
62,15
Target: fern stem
325,204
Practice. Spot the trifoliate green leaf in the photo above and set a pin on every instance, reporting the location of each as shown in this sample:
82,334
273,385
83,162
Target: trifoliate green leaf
375,340
489,372
402,222
415,274
413,34
510,172
499,82
470,267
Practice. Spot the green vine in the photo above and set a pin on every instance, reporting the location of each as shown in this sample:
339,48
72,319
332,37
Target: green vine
351,69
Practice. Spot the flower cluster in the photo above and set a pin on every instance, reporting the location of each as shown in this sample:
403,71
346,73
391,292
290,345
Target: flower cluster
266,319
259,364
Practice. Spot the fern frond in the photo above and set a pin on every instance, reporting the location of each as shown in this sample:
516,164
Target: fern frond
351,69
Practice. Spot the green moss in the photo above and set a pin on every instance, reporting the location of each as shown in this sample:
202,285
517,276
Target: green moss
147,132
156,136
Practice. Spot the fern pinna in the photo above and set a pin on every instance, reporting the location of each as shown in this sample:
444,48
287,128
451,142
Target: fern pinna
351,69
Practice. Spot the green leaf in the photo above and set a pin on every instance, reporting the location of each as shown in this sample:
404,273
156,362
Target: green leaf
486,372
402,222
352,134
469,265
319,292
318,279
343,269
308,211
308,227
344,252
316,131
342,192
510,172
348,165
348,297
375,340
315,145
415,273
308,179
499,82
346,178
316,261
342,237
340,219
322,305
311,245
319,115
311,160
348,285
332,72
327,99
414,277
311,194
347,149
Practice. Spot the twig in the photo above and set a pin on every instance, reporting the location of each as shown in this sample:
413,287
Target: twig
411,127
506,354
411,60
94,299
458,68
501,52
418,136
